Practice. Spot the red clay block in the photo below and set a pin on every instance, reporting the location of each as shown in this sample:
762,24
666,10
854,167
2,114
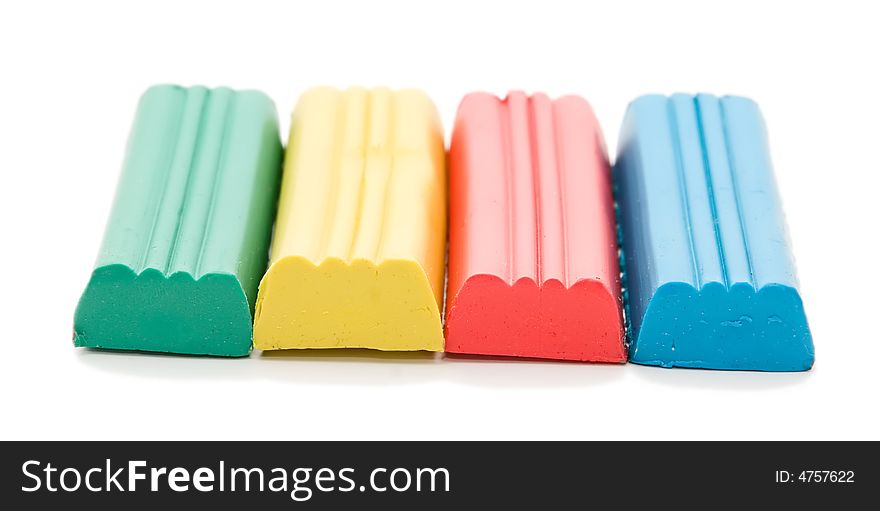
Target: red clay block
533,263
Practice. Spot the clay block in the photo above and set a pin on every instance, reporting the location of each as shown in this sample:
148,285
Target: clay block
533,260
187,240
710,277
358,254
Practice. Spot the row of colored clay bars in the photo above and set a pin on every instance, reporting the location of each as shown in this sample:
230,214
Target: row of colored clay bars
358,252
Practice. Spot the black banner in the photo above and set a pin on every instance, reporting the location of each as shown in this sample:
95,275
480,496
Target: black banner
437,475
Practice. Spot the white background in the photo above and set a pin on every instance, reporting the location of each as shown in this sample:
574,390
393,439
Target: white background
71,74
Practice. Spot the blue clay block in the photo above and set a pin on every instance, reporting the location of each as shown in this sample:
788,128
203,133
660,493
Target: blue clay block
709,273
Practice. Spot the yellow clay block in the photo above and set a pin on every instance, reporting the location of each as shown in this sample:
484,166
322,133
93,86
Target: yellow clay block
358,255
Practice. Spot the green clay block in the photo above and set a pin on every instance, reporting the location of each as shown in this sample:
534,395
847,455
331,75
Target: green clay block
188,236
